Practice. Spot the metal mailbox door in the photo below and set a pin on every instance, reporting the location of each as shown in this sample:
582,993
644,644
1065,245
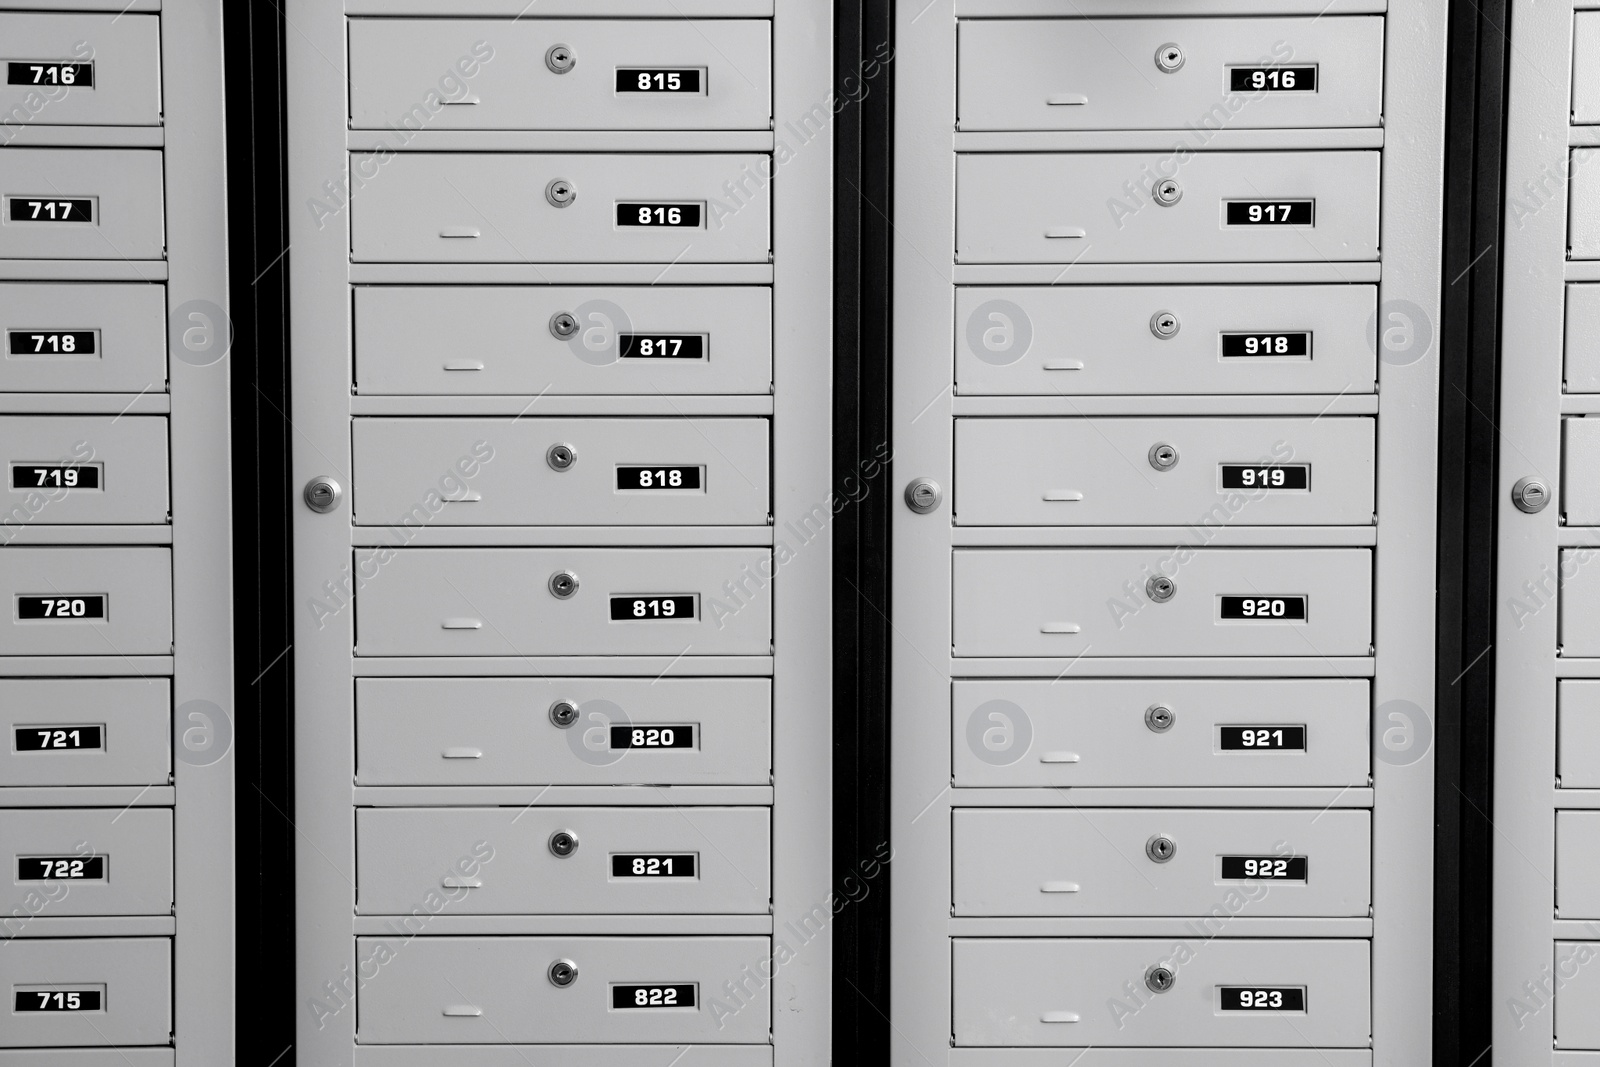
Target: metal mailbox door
1579,633
81,70
1171,732
495,990
1577,1009
92,991
516,207
563,731
85,731
1152,861
98,861
90,203
83,338
1165,339
1200,75
1585,68
84,469
87,601
1583,214
566,861
1055,991
565,602
1581,367
1224,207
1580,460
1577,864
1200,472
1578,733
1222,602
431,340
561,74
561,472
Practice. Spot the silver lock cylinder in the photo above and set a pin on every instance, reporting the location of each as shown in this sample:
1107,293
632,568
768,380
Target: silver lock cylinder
1164,324
322,494
1159,718
563,584
923,495
1159,979
1160,848
562,973
560,59
563,324
563,713
1167,192
561,457
1169,58
1160,588
560,193
1530,495
563,843
1162,456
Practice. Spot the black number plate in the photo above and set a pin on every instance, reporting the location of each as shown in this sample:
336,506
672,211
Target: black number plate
50,342
1272,79
662,346
652,737
56,1000
1244,476
658,477
1264,868
65,209
1271,608
667,216
651,996
54,476
58,738
61,868
1263,998
65,608
1271,212
657,80
676,865
26,72
1263,738
654,608
1246,345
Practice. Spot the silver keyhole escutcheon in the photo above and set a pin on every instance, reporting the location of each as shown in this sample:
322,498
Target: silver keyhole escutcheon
1160,848
1530,495
1165,324
923,495
563,584
563,973
563,324
322,494
563,713
561,193
561,457
1159,979
1159,718
1168,192
1161,589
560,59
563,843
1169,58
1163,457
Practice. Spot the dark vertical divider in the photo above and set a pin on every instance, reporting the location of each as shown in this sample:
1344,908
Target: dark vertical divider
1469,455
263,701
863,86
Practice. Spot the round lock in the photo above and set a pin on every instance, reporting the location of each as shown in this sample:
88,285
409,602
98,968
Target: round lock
1159,718
1159,979
560,59
563,584
1168,192
322,494
1161,589
1530,495
563,713
563,843
1163,457
563,973
561,457
560,193
563,325
1160,848
1165,324
923,495
1169,58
